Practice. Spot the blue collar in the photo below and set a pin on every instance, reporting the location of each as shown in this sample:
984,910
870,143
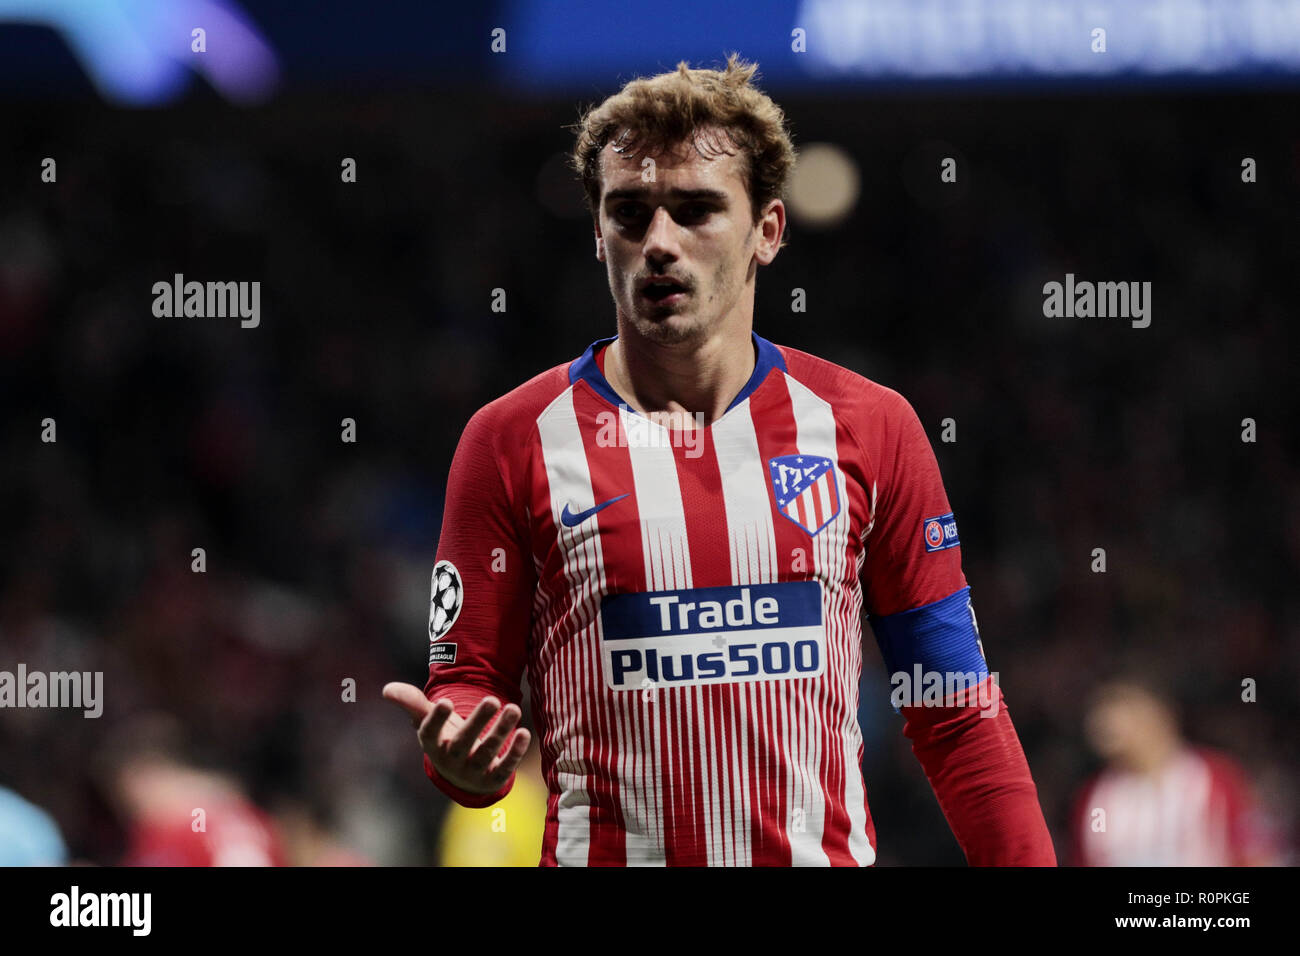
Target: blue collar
585,368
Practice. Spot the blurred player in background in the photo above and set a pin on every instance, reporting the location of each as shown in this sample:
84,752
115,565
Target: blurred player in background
1161,801
175,813
675,536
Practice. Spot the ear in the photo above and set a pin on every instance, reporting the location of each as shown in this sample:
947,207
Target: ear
770,228
600,240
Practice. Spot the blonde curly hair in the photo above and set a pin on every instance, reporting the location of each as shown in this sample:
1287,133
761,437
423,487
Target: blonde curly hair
654,114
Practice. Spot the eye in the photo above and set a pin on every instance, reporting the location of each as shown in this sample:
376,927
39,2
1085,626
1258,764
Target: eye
627,210
696,210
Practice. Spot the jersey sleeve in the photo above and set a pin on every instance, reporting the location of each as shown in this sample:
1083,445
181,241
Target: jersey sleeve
913,587
482,584
920,612
909,563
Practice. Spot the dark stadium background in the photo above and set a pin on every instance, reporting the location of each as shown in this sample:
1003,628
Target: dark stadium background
376,305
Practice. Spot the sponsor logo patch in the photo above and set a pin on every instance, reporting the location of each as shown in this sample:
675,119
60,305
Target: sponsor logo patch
723,635
446,594
940,533
806,490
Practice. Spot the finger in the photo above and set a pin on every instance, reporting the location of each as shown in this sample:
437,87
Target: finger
509,762
469,732
431,728
490,745
410,698
507,765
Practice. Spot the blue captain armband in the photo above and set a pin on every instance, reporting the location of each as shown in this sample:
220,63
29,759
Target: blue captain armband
935,639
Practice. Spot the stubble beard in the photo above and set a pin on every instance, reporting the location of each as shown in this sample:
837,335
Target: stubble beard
669,327
681,325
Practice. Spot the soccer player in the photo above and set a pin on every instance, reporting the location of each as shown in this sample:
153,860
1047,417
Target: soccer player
675,536
152,783
1162,801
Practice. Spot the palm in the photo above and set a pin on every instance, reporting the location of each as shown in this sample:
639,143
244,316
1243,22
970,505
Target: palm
467,752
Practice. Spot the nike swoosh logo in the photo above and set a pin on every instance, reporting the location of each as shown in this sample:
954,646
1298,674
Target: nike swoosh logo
571,520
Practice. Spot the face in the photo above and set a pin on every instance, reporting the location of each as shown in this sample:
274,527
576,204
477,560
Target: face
686,221
1117,727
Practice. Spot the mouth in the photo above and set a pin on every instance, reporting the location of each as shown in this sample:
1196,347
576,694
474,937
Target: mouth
662,290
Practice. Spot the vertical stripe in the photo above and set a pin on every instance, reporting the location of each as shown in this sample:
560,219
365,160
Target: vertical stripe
751,544
614,751
832,716
569,479
663,538
701,834
775,762
1193,840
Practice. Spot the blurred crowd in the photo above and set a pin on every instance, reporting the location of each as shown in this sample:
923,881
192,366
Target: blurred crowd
183,433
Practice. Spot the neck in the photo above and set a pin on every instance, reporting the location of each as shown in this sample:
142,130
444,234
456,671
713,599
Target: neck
1153,757
688,378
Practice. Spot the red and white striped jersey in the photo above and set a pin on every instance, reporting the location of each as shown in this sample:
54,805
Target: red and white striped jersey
687,608
1197,810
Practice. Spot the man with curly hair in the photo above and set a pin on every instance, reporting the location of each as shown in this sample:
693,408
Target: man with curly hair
674,537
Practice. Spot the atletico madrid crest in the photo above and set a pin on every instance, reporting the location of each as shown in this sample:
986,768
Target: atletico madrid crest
806,490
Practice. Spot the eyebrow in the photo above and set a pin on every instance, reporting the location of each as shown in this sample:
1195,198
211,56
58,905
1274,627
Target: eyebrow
640,192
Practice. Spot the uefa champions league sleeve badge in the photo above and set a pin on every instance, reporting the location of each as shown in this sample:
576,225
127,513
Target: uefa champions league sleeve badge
446,595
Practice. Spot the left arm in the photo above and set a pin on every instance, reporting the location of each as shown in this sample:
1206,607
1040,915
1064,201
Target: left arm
979,774
917,596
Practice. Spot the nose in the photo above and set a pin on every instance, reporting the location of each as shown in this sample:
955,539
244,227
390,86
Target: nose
660,242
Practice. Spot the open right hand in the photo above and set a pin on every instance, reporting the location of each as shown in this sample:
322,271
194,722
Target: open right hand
452,742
